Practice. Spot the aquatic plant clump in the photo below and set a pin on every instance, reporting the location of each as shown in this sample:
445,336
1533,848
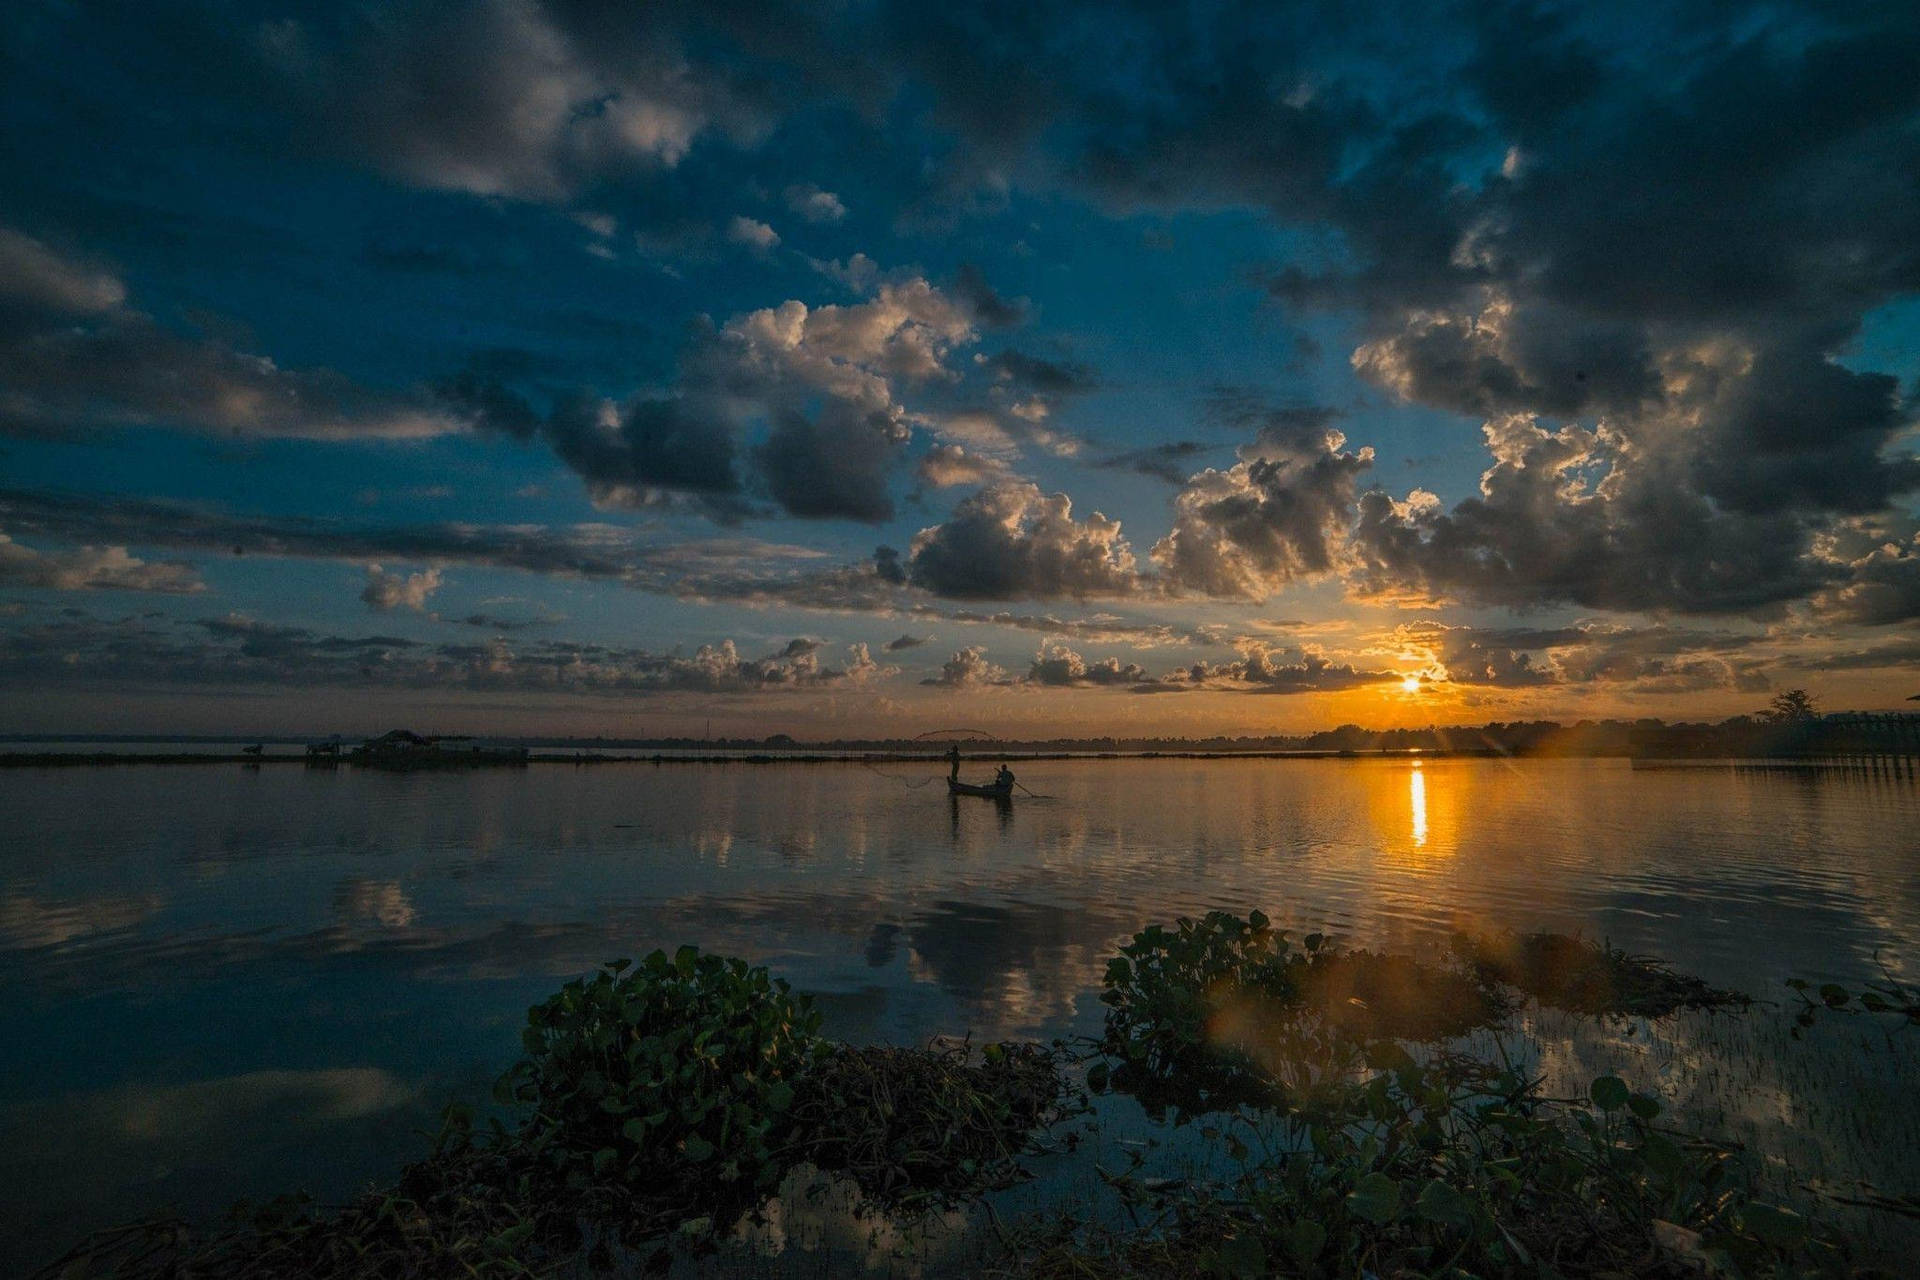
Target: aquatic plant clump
1434,1171
1223,1011
675,1078
1583,976
663,1103
921,1128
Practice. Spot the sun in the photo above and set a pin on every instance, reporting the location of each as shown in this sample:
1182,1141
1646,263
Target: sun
1410,684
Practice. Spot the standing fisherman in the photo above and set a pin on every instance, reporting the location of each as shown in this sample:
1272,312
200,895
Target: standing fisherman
953,763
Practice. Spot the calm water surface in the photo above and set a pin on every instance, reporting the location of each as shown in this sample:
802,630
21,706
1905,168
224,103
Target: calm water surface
219,982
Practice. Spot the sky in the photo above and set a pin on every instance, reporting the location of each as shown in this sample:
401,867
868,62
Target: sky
862,369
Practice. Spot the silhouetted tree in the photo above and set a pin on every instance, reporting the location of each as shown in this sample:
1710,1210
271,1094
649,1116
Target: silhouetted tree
1789,707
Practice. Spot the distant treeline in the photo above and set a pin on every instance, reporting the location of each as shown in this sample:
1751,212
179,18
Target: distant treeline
1847,733
1739,736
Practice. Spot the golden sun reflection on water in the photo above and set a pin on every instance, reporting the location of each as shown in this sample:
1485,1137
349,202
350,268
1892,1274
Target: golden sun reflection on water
1417,795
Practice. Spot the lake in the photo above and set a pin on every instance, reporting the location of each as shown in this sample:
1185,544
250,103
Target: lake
220,982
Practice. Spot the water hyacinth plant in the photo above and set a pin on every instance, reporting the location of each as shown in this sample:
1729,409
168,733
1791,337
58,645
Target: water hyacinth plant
673,1077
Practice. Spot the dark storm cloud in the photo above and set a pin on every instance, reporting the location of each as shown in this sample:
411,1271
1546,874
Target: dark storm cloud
901,643
1545,530
1010,541
648,444
833,465
239,650
1558,223
1882,586
1638,247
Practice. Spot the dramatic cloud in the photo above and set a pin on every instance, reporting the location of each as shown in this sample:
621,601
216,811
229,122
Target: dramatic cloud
1010,541
968,669
1582,517
387,591
1057,664
901,643
1882,586
1278,515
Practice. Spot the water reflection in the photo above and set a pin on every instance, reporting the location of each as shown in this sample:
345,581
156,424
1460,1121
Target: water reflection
160,927
1417,793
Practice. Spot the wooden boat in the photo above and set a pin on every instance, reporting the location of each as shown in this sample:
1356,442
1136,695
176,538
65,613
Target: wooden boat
992,790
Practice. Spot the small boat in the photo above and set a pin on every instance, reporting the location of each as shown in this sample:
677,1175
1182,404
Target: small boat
991,790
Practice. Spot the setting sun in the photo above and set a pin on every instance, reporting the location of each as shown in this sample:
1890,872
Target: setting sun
1410,684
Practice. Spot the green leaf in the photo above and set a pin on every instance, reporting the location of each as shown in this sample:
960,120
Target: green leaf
1243,1256
1376,1198
1833,995
779,1096
1097,1077
697,1148
1644,1105
1610,1093
1440,1203
1258,919
1305,1239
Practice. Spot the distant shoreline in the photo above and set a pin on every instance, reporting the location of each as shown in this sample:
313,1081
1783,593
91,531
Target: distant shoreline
69,759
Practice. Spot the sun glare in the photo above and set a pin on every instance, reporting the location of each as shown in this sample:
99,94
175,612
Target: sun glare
1410,684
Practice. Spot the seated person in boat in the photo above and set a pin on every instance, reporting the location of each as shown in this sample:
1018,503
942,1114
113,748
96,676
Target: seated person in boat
1004,778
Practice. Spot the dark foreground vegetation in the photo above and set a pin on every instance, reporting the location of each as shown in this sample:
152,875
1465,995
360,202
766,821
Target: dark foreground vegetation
658,1106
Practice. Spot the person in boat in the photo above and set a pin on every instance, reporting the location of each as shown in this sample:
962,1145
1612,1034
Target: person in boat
1004,778
953,763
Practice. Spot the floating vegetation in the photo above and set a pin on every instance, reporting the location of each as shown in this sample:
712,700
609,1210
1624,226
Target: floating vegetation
1373,996
660,1105
663,1104
1889,996
1439,1171
923,1128
1224,1011
1583,976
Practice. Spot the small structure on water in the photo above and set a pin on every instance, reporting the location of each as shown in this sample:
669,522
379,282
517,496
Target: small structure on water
404,749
